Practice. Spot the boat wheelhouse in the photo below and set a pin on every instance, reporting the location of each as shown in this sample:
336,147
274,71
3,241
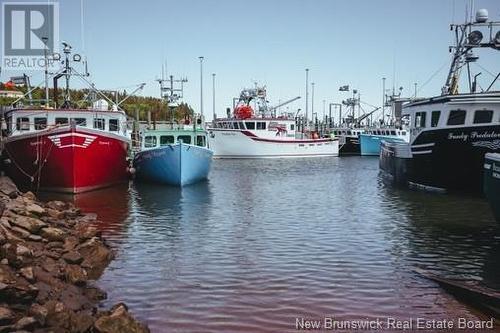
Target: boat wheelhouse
348,140
264,135
66,149
451,133
371,139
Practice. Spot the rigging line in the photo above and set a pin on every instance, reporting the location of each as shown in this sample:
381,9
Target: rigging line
431,77
484,69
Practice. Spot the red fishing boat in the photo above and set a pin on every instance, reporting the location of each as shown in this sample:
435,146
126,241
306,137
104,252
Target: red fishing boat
66,149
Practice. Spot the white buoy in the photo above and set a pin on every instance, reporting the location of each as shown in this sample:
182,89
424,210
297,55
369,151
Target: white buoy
481,15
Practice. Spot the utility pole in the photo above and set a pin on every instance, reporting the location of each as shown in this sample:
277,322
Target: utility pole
213,95
312,99
383,98
201,86
307,97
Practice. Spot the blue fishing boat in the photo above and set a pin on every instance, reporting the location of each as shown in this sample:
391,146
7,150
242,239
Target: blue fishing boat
370,140
174,156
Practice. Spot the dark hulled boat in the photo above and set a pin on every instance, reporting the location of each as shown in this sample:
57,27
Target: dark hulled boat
492,182
449,134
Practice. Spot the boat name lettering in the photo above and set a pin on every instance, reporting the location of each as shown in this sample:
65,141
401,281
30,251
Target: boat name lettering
228,133
473,135
35,143
107,143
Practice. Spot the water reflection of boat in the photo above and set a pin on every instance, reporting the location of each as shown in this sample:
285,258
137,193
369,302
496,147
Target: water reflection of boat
111,205
173,203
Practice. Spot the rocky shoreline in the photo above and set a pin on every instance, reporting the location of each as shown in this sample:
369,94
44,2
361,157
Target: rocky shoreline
48,254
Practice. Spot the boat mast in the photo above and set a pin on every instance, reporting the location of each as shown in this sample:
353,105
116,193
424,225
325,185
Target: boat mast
466,40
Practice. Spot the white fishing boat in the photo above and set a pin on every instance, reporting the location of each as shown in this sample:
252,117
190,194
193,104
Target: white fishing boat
263,134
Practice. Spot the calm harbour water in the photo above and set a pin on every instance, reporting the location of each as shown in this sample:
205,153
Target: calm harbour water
264,242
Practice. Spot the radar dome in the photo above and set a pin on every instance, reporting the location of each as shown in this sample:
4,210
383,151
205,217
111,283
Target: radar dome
481,15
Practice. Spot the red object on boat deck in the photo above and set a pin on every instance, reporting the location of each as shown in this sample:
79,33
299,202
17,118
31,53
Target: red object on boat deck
243,112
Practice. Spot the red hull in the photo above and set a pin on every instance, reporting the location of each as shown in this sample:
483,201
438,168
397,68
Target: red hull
67,160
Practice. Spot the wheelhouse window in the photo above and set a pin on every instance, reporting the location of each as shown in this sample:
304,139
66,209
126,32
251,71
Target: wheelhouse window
235,125
62,121
185,139
166,140
456,117
420,119
79,121
150,141
200,140
483,116
261,125
435,115
114,125
40,123
23,124
292,127
250,125
393,132
99,123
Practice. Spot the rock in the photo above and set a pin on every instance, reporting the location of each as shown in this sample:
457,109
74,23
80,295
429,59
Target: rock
53,254
96,257
39,312
53,234
56,214
27,273
95,294
6,316
21,232
8,187
119,321
35,209
5,222
76,275
86,232
88,217
22,250
25,323
72,213
29,195
4,261
9,236
31,224
55,245
2,207
35,238
56,205
73,257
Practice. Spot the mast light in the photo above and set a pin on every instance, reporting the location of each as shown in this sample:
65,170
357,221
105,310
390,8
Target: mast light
475,37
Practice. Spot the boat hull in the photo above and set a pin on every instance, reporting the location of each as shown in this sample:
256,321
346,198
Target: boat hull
244,144
442,160
176,164
349,146
491,184
370,143
69,160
